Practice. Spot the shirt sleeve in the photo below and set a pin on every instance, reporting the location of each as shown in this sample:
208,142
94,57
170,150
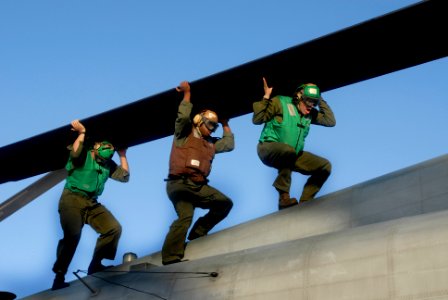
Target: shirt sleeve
118,173
226,143
182,127
324,116
265,110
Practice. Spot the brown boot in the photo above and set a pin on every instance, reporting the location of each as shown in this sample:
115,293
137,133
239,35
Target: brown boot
286,201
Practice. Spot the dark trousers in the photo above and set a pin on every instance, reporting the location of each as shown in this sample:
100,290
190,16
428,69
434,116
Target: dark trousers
283,157
76,210
186,196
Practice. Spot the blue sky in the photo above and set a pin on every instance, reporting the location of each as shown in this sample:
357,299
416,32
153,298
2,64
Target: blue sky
64,60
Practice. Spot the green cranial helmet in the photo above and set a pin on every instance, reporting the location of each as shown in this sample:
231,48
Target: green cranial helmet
106,150
311,92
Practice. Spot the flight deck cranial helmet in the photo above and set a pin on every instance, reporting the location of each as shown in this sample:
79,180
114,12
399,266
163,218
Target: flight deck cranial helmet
105,150
207,117
310,94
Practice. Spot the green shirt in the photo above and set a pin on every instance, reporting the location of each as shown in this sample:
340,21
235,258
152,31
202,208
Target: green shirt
88,177
293,128
271,113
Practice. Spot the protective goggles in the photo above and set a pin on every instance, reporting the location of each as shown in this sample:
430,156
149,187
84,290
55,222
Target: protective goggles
211,126
310,101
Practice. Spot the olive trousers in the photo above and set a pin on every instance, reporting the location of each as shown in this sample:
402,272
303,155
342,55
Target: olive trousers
75,210
186,196
284,158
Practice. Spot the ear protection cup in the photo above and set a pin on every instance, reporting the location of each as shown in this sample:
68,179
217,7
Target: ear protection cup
197,119
207,117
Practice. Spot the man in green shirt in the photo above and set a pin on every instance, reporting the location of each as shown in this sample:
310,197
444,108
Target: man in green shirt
287,122
88,171
187,186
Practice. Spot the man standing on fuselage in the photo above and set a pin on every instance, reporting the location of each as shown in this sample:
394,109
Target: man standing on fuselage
287,122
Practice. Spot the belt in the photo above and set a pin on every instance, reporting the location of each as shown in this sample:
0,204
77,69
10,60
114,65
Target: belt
183,177
175,177
83,194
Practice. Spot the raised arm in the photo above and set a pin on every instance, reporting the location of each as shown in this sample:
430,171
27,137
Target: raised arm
120,173
324,116
184,87
266,108
123,159
79,142
227,142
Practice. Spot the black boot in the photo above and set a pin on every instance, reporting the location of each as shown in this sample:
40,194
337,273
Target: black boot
59,282
193,235
196,231
174,261
96,266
